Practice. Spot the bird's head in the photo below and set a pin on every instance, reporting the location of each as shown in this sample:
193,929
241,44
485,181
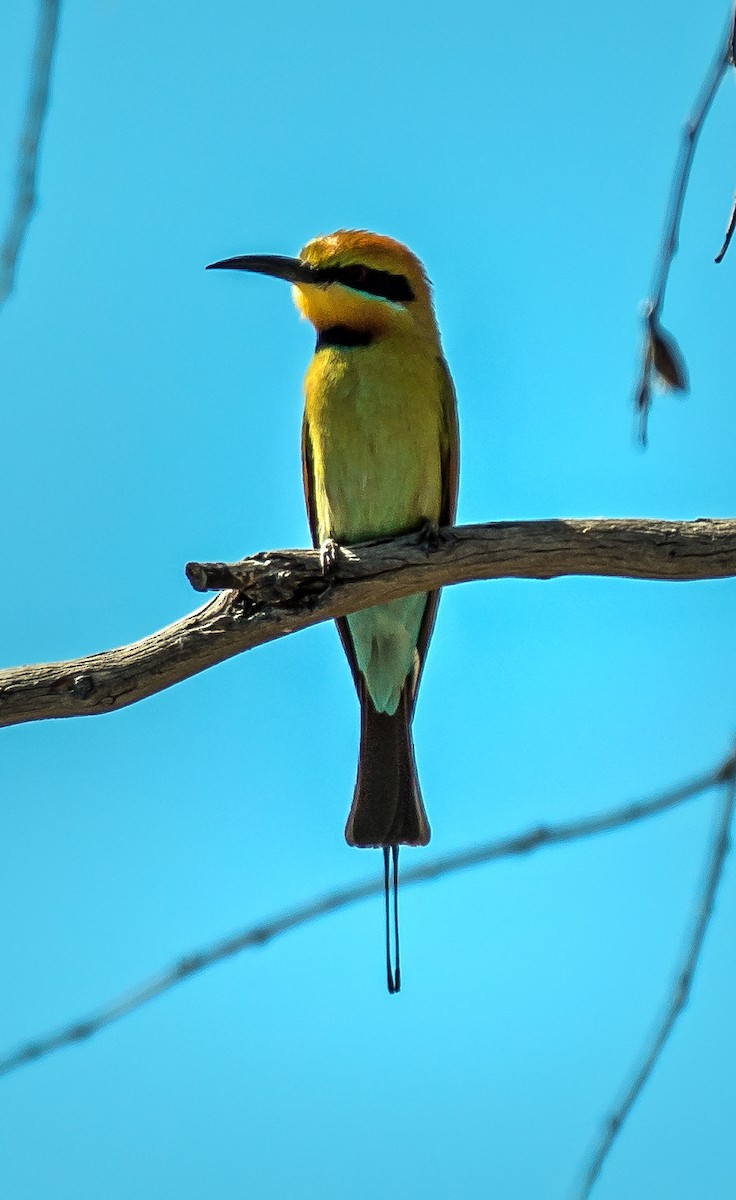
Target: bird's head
353,279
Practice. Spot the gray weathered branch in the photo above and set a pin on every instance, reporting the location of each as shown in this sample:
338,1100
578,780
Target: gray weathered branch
284,591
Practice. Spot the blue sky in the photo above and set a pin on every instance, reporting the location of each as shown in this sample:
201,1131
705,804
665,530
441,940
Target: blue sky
151,415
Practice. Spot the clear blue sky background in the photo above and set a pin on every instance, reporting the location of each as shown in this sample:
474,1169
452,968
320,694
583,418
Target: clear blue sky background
151,415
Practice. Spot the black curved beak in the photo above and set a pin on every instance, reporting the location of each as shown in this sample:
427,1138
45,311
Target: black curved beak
293,270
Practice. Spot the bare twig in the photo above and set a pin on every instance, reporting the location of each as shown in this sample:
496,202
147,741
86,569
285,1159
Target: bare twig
682,985
729,234
27,169
258,935
653,331
732,219
284,591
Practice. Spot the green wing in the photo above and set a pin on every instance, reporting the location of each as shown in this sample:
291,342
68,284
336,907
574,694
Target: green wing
450,472
308,481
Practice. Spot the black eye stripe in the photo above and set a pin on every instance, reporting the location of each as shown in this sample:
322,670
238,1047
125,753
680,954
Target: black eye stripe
367,279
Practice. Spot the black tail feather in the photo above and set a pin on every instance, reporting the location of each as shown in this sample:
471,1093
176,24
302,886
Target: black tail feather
387,808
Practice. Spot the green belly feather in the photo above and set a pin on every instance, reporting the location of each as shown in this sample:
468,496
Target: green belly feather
385,639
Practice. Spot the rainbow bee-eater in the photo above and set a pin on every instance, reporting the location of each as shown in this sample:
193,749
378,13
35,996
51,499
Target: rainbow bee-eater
379,458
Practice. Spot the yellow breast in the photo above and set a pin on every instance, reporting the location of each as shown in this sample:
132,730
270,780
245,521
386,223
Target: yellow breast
373,418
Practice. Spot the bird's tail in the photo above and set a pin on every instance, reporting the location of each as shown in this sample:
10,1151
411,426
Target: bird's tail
387,808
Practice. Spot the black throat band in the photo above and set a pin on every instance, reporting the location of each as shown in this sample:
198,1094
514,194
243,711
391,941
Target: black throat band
342,335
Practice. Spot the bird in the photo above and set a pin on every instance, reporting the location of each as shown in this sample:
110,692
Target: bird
379,459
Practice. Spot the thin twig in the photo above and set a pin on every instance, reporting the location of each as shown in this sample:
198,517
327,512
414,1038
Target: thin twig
732,219
729,234
258,935
671,232
28,148
681,987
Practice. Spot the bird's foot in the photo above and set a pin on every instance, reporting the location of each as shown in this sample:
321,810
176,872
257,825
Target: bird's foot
328,555
429,536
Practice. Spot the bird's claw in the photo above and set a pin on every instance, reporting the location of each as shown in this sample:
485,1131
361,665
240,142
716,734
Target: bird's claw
328,555
429,536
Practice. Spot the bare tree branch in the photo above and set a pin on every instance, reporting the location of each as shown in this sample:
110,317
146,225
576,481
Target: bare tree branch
728,235
682,985
258,935
27,170
654,335
284,591
732,219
